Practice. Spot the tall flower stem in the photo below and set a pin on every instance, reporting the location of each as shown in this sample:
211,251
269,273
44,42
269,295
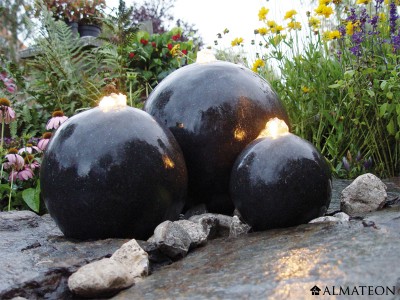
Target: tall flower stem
2,134
9,196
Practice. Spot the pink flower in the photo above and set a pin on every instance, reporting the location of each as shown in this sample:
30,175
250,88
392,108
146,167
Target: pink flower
7,114
29,149
31,162
14,160
22,175
44,141
57,119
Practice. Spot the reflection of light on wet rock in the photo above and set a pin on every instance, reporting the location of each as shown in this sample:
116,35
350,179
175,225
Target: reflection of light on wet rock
239,134
298,270
168,163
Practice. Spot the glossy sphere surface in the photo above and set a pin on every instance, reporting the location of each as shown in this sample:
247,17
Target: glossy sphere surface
113,174
280,182
214,110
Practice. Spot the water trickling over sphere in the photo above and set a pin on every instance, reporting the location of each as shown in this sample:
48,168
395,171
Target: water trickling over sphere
214,110
280,182
113,174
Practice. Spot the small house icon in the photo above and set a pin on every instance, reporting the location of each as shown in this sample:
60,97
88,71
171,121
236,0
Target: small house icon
315,290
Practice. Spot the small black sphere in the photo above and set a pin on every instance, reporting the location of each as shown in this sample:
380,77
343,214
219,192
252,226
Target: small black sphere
113,174
214,110
280,182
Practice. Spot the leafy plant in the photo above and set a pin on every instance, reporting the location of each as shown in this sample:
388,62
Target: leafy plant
338,79
63,75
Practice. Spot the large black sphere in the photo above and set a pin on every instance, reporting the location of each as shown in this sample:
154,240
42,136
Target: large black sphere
214,110
113,174
280,182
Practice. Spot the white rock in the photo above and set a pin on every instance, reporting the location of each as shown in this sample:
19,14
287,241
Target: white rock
325,220
342,216
134,257
196,232
171,239
238,228
365,194
100,278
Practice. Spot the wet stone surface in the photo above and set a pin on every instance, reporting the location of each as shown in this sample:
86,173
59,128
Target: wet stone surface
36,259
287,263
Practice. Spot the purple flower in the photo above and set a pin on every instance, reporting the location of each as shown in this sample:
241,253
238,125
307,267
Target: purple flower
342,30
396,42
22,175
8,82
353,16
356,50
346,164
367,163
357,38
358,157
44,141
57,119
393,16
31,162
29,149
7,114
14,160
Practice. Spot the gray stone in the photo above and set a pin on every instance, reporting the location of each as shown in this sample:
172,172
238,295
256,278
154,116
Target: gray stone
325,219
284,263
171,239
215,225
365,194
342,216
100,278
198,235
134,258
238,228
36,259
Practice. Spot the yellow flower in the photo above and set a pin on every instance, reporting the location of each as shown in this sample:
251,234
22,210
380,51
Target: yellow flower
305,89
257,64
323,10
271,24
262,30
350,28
277,29
314,22
325,35
237,41
333,35
294,25
262,13
289,14
382,17
363,1
175,50
324,2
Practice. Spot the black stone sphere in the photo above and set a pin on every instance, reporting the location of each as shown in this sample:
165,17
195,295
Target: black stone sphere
114,174
214,111
280,182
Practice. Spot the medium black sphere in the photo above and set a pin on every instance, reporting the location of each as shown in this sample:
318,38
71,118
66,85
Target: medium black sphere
280,182
214,110
113,174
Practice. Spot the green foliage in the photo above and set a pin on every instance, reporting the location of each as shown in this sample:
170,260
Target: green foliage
64,73
340,83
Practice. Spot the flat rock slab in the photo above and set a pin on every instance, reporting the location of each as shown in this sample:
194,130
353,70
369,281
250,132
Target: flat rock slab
36,259
285,263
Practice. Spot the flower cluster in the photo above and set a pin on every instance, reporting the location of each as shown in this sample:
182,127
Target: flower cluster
8,82
153,56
